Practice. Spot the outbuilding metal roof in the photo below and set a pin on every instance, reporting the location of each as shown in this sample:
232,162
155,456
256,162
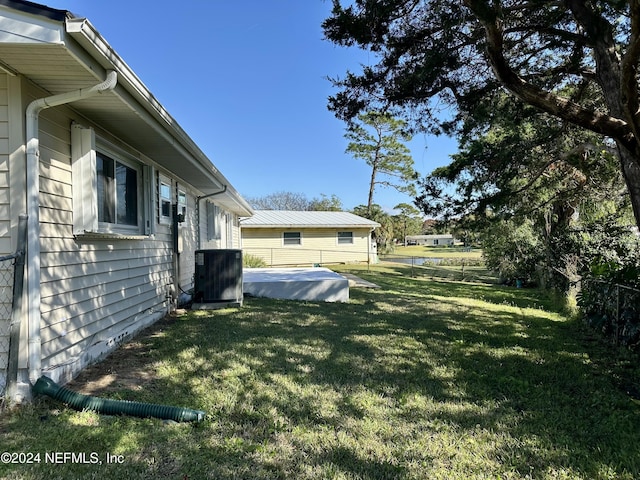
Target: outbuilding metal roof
309,219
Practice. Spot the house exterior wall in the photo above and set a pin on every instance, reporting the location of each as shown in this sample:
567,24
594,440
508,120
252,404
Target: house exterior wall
318,246
96,290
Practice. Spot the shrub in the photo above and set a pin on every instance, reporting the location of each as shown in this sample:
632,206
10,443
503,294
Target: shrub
512,250
253,261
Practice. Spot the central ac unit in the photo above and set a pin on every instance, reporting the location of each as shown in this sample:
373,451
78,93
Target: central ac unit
218,279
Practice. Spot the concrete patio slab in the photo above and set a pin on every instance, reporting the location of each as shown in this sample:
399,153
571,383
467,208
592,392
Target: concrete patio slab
355,281
313,284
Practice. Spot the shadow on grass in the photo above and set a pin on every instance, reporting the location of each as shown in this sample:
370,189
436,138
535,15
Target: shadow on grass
419,379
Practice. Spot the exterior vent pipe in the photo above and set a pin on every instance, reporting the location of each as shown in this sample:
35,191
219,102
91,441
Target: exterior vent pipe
33,206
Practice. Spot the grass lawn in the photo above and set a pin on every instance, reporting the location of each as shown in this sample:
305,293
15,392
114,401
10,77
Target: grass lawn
421,379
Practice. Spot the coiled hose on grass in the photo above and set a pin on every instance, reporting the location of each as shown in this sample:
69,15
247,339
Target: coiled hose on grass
78,401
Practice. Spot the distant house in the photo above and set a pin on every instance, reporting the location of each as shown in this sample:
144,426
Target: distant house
445,239
118,196
308,237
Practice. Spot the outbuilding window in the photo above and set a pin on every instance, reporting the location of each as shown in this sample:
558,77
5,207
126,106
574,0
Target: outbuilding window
345,238
292,238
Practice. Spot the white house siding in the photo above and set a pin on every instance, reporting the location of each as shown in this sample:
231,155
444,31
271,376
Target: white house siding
319,246
95,292
6,268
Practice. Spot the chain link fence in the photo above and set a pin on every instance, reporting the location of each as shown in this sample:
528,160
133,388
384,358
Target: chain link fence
613,309
11,276
7,267
289,257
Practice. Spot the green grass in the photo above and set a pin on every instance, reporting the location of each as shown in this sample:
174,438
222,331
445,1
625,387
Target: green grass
421,379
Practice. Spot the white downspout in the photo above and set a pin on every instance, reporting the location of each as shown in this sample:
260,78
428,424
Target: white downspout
33,207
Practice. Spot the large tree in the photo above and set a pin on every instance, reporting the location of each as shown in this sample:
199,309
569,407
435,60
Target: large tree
377,138
431,55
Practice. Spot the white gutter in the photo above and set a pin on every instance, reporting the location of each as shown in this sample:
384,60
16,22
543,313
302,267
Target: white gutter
33,207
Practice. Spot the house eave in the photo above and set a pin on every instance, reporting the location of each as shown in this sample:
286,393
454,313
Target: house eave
59,52
88,37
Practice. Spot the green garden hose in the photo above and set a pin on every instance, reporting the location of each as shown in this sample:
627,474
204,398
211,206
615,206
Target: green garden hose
78,401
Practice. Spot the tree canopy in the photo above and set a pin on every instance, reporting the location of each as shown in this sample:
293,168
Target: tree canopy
377,138
284,200
576,61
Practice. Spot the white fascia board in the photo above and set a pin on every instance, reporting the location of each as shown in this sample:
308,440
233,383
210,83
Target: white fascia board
19,27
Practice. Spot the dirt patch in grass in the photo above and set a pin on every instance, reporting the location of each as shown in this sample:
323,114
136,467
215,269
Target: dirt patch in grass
129,367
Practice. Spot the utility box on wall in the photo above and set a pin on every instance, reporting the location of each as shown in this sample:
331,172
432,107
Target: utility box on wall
218,279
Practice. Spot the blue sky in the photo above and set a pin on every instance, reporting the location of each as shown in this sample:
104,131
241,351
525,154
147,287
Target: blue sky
247,81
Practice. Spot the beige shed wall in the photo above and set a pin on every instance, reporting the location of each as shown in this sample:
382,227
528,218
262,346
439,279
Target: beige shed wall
318,246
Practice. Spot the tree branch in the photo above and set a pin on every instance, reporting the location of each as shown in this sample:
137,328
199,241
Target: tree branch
546,101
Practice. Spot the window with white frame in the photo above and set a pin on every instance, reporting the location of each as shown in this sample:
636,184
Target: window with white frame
182,203
118,187
109,194
345,238
164,200
291,238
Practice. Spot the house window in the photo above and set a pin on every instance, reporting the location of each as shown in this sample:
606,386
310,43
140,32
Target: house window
182,203
214,221
292,238
164,200
117,189
110,188
345,238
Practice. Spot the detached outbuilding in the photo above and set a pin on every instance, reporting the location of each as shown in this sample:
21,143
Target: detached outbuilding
435,240
282,237
118,196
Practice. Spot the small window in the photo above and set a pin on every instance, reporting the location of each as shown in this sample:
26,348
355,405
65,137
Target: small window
182,203
292,238
164,200
214,221
345,238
